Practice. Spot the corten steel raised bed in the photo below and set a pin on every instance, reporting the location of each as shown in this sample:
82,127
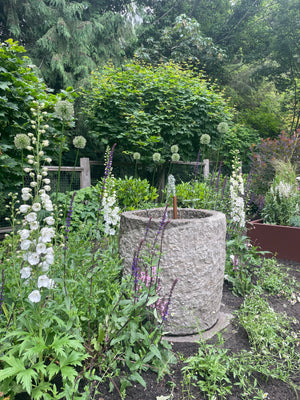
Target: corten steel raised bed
193,248
282,241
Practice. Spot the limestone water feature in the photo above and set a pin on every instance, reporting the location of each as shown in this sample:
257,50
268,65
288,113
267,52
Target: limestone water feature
193,251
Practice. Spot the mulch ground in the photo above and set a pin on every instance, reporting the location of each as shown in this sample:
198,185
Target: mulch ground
236,339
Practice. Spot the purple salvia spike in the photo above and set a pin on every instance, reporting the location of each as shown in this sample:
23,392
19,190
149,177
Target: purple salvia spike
218,177
135,265
166,310
224,187
212,178
248,184
161,225
1,292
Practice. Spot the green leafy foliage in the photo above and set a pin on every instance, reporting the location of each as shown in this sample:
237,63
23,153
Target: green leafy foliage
20,85
240,257
275,279
181,42
135,193
240,138
284,148
32,360
281,202
147,110
210,194
209,370
74,38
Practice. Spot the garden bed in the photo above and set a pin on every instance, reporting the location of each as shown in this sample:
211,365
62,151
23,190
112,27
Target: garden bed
236,340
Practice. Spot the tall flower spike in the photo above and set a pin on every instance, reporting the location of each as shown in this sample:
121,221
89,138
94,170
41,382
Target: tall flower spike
106,175
166,310
1,291
135,265
69,219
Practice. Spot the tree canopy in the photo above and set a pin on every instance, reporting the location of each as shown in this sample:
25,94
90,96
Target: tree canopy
148,109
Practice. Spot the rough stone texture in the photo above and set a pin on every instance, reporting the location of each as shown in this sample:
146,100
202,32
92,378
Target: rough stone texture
193,251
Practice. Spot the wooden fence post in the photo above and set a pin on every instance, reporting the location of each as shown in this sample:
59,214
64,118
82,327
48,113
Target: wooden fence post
85,174
206,168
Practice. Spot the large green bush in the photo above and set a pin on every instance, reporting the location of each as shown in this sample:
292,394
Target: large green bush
148,109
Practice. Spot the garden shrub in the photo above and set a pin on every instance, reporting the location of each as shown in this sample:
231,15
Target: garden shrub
281,202
210,194
135,193
241,138
263,155
148,109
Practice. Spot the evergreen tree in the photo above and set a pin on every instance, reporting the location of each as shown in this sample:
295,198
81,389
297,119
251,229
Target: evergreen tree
66,40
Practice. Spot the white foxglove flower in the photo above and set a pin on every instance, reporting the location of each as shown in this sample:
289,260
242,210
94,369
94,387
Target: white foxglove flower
48,205
27,170
44,196
25,272
34,225
26,196
35,296
41,248
33,258
47,181
36,207
44,266
47,188
25,244
24,233
31,217
46,234
33,184
44,281
49,220
49,258
24,208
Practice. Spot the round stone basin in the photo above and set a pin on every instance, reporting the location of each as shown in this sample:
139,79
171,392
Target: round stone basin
193,251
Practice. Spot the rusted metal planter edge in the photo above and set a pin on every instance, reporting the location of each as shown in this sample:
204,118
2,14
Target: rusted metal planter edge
282,241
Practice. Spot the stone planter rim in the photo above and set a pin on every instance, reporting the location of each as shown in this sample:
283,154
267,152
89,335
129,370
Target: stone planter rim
204,214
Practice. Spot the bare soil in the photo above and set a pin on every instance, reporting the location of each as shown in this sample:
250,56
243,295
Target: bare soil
236,339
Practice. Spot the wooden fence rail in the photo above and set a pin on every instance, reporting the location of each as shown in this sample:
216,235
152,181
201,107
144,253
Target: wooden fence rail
85,169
